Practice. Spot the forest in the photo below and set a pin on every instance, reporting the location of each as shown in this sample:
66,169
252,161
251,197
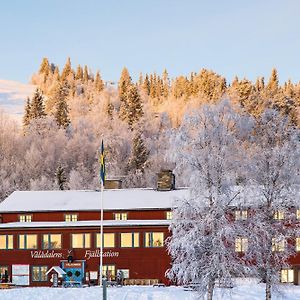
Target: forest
72,110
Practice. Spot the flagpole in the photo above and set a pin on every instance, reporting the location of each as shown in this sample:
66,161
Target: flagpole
101,232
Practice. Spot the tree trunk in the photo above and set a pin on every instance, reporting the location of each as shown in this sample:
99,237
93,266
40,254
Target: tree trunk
268,291
210,290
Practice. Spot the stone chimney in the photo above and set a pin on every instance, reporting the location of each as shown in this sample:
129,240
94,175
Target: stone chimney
165,180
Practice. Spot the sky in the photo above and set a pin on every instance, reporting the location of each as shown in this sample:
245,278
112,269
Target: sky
231,37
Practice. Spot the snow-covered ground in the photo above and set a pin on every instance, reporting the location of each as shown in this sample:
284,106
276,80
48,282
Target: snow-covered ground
242,292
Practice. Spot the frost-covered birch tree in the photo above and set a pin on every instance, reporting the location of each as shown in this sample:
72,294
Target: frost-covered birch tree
274,179
209,146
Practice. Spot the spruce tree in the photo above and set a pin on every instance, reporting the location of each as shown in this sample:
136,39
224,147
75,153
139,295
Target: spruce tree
79,73
62,111
134,107
85,74
166,83
146,85
99,85
124,83
273,85
37,109
45,67
27,114
139,155
56,73
60,177
67,70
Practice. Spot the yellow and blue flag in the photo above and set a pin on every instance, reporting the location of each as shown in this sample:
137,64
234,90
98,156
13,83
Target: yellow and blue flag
102,164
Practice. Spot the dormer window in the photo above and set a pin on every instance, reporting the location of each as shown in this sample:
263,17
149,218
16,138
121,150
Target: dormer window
25,218
241,215
71,217
279,215
120,216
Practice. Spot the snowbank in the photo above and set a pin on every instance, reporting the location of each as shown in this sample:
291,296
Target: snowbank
243,292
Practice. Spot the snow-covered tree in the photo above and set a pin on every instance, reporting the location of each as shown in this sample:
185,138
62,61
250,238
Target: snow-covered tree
207,145
274,178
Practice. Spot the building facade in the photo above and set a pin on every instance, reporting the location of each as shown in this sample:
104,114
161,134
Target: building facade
42,230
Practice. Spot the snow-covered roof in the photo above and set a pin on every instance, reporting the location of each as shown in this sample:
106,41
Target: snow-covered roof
57,269
95,223
122,199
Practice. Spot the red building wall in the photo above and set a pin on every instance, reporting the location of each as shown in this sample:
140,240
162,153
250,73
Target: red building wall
142,262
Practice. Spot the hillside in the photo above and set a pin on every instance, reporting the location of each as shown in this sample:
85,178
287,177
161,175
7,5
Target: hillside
13,95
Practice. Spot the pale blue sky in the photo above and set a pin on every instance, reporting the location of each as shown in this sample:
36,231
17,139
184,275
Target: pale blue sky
243,37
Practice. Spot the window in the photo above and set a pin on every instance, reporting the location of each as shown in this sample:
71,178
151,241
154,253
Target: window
120,216
108,240
154,239
71,217
287,276
39,273
130,240
27,241
241,215
279,215
169,215
278,245
81,240
25,218
241,244
51,241
6,241
298,213
297,244
109,271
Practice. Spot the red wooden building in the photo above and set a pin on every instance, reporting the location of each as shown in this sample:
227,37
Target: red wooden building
43,229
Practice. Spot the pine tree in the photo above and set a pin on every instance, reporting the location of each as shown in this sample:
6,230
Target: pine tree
60,177
124,83
56,73
99,85
66,70
27,114
139,155
134,107
273,84
166,83
62,110
79,73
85,74
146,84
140,82
45,67
37,109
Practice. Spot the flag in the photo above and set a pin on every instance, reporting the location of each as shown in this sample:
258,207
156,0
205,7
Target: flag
102,164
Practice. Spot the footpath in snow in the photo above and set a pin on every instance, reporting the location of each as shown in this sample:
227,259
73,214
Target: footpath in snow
243,292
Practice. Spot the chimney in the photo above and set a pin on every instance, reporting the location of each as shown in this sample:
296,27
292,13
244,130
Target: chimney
165,180
113,184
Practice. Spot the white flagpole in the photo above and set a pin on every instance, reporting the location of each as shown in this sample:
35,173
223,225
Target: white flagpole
101,233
